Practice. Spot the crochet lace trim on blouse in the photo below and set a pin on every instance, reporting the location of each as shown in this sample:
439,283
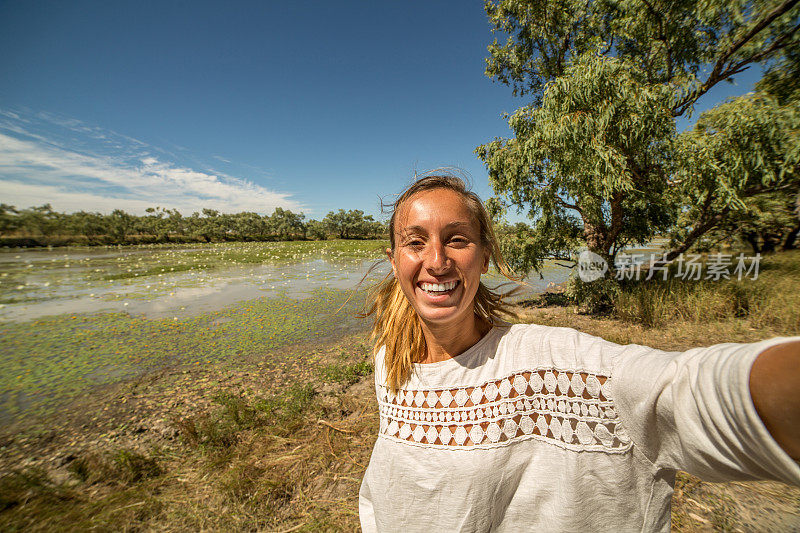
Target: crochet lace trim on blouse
573,410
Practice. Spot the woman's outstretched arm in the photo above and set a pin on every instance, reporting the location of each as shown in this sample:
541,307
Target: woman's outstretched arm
775,388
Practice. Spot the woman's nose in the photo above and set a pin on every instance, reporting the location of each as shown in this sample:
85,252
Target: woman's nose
437,259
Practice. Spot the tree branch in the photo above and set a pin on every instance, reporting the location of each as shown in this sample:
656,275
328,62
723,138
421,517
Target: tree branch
568,205
700,229
721,72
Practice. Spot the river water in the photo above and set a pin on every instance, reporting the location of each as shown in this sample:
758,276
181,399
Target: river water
39,283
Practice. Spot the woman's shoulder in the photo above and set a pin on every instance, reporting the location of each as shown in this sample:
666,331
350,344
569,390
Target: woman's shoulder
557,347
548,334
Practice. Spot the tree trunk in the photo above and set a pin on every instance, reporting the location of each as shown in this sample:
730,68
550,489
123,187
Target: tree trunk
752,240
771,242
791,239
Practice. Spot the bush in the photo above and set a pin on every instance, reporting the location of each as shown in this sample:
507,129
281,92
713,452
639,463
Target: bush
595,297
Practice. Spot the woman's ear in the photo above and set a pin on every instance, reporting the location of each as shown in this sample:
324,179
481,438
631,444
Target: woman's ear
486,260
391,260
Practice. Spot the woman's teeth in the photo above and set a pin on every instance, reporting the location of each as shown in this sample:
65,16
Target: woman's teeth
438,287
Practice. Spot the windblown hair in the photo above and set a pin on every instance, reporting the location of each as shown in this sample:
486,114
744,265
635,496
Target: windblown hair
397,325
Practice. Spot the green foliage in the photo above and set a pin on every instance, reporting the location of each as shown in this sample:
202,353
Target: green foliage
585,163
741,158
780,81
39,221
596,297
316,230
286,224
352,224
595,160
9,221
160,225
768,222
347,374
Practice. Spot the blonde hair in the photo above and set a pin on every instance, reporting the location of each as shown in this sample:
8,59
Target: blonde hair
397,326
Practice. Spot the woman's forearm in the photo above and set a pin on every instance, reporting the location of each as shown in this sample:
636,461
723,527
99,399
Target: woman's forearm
775,389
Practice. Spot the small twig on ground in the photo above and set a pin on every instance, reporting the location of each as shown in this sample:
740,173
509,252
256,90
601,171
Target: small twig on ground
128,506
333,427
293,528
328,438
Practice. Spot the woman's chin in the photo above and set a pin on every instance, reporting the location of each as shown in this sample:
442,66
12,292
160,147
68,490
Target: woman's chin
446,316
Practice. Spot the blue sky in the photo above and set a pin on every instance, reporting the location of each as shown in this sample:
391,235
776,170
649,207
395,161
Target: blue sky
236,106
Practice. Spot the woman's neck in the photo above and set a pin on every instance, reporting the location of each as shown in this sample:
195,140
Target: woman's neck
448,341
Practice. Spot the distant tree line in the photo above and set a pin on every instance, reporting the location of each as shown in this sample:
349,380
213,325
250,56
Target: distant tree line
42,226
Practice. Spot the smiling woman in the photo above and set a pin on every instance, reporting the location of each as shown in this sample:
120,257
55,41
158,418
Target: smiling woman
438,263
485,426
435,306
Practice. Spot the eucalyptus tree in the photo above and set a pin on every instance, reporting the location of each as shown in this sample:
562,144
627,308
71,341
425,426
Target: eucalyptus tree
40,220
206,225
768,223
174,222
316,230
9,219
120,225
772,218
286,224
595,159
350,224
737,152
249,225
90,225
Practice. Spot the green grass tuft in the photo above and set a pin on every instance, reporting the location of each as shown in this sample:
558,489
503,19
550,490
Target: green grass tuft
347,374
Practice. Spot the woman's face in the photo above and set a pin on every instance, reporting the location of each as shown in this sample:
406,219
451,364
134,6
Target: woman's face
438,257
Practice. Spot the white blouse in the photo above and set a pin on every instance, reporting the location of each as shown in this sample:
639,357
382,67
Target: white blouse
550,429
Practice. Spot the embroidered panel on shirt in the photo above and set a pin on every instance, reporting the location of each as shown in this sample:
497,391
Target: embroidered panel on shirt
568,409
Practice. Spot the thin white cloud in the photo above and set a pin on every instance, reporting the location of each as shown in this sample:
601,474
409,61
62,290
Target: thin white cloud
36,168
28,195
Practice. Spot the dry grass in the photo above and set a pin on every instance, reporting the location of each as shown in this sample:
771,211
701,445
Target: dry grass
290,460
769,303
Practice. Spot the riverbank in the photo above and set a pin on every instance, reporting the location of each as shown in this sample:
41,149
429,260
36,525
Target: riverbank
277,439
251,443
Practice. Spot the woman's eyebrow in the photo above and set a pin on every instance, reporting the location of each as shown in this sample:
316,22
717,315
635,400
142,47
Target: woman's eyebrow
458,223
412,229
419,229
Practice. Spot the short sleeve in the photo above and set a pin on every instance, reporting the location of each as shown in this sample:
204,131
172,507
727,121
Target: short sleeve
693,411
